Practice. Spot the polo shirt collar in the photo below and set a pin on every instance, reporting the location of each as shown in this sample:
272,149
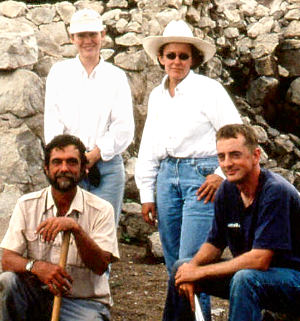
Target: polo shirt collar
76,205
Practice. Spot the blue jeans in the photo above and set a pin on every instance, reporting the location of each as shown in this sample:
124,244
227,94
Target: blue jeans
249,292
112,183
24,299
183,221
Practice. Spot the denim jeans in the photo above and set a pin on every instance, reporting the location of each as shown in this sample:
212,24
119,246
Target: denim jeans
183,221
112,183
249,292
24,299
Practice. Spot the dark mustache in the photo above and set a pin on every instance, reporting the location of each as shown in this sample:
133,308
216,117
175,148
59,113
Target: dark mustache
67,175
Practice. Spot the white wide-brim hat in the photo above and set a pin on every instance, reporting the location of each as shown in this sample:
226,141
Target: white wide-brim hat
179,32
86,20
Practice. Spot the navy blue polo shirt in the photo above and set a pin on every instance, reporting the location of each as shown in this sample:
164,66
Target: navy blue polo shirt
272,221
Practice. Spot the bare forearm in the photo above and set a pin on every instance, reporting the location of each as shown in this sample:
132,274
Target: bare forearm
45,271
91,254
254,259
14,262
207,254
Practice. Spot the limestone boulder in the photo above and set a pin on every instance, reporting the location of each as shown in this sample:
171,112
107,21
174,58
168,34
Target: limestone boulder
18,45
293,93
131,60
154,245
12,9
41,15
261,89
132,225
21,159
58,31
9,195
131,191
289,56
21,93
65,10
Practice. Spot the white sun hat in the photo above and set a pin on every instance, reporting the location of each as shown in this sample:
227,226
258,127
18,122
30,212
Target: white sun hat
179,32
86,20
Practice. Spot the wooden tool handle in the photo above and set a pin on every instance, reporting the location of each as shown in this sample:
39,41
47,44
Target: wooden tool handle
62,263
64,249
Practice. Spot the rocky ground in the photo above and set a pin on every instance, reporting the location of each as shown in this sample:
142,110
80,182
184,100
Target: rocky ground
138,284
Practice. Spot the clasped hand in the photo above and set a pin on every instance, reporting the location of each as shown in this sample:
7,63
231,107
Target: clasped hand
184,282
49,228
55,277
59,282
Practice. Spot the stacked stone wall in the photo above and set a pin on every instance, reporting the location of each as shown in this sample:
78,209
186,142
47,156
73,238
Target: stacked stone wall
257,59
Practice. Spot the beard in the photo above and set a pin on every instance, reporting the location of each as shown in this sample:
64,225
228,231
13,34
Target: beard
64,182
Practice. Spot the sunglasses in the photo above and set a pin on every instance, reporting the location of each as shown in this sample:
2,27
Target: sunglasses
182,56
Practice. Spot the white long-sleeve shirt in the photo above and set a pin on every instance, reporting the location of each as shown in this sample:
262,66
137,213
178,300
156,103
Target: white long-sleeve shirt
182,126
96,108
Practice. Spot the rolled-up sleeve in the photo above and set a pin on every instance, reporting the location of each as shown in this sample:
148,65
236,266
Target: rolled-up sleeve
14,239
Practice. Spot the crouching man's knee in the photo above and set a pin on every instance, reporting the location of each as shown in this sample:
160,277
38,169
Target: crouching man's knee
8,281
242,277
243,281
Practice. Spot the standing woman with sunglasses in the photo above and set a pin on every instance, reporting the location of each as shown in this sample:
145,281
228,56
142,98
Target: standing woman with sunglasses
177,170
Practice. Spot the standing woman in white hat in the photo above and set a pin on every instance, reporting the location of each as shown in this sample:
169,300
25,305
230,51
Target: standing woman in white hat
177,169
90,98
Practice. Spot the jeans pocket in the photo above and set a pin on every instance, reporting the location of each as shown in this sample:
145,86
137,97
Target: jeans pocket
204,170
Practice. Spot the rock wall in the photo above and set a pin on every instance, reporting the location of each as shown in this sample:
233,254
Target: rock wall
258,59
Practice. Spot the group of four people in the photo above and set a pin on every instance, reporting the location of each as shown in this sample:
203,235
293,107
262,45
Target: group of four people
179,175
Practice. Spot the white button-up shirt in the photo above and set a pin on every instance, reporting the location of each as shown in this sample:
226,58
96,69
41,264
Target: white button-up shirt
182,126
96,108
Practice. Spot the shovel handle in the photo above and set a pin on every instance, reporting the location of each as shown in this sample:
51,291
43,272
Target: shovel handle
62,263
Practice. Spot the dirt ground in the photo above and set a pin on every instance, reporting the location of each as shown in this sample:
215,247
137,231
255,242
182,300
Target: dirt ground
138,285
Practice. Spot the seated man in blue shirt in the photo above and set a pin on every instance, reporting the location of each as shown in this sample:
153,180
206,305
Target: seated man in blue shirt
257,215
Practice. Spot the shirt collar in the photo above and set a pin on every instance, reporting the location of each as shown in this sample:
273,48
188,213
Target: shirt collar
185,83
82,70
76,205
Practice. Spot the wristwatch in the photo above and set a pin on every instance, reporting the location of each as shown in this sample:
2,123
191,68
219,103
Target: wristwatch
29,265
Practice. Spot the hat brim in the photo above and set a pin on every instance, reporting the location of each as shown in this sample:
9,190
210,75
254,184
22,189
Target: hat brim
152,45
87,27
